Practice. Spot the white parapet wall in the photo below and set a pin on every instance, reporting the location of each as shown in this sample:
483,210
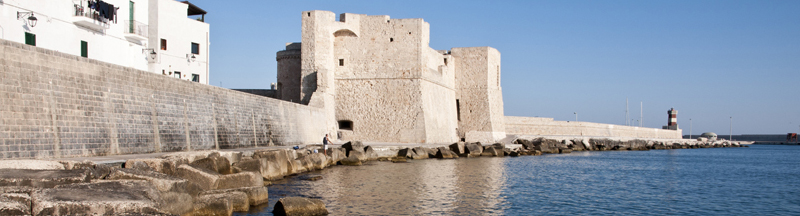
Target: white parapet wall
517,125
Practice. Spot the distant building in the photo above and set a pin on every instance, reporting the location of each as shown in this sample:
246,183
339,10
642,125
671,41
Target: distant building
709,135
152,35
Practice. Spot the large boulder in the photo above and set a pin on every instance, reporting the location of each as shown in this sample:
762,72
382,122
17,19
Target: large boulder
13,207
255,195
211,204
299,206
238,180
527,144
217,163
206,179
458,148
370,153
473,149
30,165
43,178
406,152
156,164
445,153
361,155
547,145
258,165
279,163
492,152
353,146
314,161
351,161
98,198
162,182
421,153
239,200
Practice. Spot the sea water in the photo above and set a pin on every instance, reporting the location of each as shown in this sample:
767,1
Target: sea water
760,180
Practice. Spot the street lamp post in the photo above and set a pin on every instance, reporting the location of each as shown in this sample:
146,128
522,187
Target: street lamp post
690,128
730,136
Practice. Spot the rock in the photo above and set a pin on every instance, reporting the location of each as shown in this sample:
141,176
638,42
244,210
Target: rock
336,154
399,159
491,152
211,204
315,161
420,153
353,145
31,165
70,165
458,148
188,156
361,155
278,163
549,146
445,153
162,182
237,199
527,144
299,206
206,179
42,178
253,165
156,164
238,180
564,151
175,203
406,152
255,195
218,164
514,153
473,149
370,153
13,207
351,161
98,198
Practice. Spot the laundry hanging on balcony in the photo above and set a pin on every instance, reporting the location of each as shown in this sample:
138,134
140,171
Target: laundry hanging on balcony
104,9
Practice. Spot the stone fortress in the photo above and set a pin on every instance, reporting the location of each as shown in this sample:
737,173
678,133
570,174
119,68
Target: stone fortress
365,78
378,80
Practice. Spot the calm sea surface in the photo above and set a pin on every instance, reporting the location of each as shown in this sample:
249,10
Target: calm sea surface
760,180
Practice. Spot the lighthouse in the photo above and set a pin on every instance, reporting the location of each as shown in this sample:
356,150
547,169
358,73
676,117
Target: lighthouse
672,121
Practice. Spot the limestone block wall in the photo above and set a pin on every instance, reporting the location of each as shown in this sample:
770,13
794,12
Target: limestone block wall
60,105
289,76
546,126
480,98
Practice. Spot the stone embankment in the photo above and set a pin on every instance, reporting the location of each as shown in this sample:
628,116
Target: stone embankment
221,182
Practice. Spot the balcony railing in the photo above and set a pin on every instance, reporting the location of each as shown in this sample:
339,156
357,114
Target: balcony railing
90,17
136,28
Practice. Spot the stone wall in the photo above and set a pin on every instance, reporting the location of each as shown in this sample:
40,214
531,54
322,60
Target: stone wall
60,105
546,126
480,97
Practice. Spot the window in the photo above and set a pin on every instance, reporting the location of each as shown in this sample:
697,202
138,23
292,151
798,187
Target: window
30,39
163,44
195,78
391,39
341,62
195,48
84,49
345,125
445,61
176,74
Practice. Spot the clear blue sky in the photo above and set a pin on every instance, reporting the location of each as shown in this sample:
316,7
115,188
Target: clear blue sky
710,60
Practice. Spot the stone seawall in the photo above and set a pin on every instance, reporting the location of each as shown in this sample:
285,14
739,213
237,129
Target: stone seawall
535,126
58,105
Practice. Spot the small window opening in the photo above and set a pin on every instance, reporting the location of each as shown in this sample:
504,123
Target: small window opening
409,32
391,39
458,110
345,125
341,62
176,74
196,48
195,78
387,21
445,61
84,49
309,13
163,44
30,39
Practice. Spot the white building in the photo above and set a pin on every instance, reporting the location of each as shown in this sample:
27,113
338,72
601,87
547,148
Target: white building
162,36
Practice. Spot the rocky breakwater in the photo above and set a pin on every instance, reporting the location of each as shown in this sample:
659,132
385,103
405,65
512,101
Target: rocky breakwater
221,182
182,183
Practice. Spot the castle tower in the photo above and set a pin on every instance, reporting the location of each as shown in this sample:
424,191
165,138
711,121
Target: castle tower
672,121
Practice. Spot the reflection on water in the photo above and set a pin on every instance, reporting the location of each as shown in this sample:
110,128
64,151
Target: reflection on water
757,180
